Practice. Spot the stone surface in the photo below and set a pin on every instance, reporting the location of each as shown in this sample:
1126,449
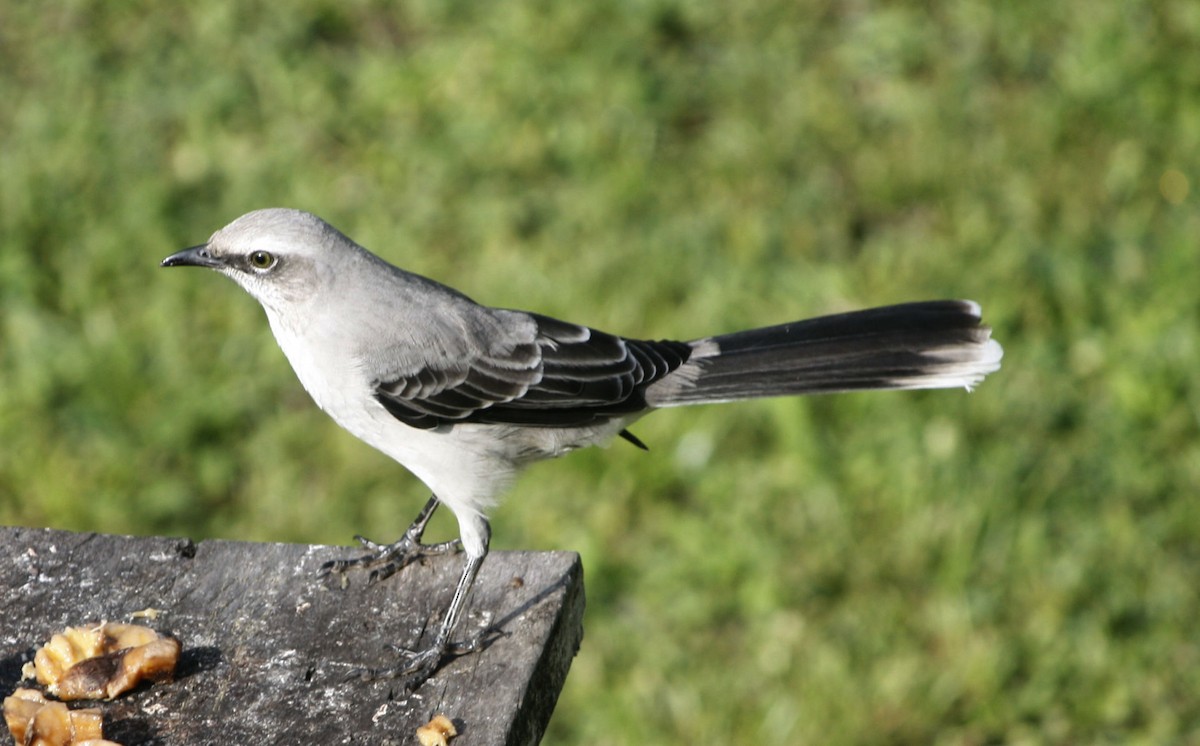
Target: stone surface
269,651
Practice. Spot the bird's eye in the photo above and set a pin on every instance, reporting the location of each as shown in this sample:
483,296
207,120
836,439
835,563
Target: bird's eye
261,260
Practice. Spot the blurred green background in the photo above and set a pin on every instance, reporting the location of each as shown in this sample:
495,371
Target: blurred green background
1018,565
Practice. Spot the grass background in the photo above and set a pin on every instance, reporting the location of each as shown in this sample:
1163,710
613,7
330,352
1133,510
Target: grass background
1020,565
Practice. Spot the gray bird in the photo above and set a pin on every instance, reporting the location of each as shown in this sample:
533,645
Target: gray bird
464,396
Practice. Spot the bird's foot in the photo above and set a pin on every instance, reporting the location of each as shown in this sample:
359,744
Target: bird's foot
385,560
417,666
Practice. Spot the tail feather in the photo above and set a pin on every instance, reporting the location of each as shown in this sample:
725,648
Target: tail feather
933,344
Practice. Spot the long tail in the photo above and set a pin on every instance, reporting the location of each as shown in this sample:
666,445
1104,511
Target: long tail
927,345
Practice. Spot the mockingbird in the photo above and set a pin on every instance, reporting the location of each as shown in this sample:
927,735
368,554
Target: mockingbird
464,395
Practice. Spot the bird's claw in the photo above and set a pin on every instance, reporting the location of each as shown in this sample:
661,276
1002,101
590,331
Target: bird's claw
385,560
412,672
417,666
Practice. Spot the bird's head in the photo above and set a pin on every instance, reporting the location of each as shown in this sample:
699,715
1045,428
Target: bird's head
280,256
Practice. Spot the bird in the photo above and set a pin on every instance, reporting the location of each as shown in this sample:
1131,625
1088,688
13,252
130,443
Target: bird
465,396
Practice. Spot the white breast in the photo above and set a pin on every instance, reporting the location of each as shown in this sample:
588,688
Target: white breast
461,465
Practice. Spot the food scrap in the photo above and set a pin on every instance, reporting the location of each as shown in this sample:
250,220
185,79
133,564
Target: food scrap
437,732
33,721
105,660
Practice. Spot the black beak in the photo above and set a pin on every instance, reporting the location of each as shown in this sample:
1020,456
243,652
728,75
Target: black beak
196,256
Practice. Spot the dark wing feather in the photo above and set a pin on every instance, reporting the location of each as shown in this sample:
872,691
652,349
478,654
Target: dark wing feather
569,376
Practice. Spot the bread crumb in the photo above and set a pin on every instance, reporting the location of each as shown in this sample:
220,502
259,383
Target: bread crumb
437,732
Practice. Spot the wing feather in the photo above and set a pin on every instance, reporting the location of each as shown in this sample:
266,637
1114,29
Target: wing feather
568,375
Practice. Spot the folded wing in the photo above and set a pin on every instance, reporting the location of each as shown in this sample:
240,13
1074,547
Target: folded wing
566,376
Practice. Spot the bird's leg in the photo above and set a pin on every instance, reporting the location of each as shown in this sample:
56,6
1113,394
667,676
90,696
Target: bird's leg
419,665
386,560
